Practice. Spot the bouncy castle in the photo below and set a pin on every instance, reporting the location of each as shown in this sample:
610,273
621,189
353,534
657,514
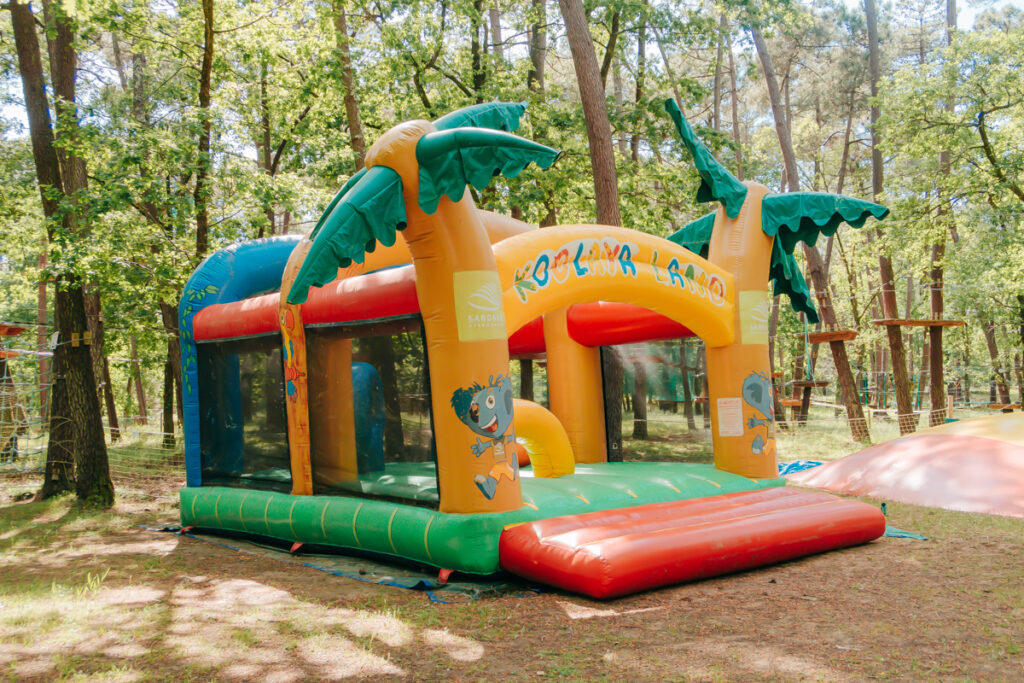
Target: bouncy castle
353,390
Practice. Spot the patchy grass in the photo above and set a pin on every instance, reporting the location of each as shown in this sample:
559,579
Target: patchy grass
88,595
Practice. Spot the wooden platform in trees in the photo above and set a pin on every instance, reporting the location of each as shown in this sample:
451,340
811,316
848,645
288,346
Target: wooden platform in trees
810,383
8,330
831,336
924,322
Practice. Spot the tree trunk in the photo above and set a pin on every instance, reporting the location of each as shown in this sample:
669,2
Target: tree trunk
595,113
526,379
639,401
42,342
496,42
201,193
735,104
63,173
167,414
924,377
706,410
59,472
938,386
169,317
684,368
641,70
858,425
538,45
100,365
348,84
140,392
606,189
904,406
716,88
476,47
998,377
1019,374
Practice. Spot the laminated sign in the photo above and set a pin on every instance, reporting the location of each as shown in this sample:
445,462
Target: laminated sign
478,308
754,313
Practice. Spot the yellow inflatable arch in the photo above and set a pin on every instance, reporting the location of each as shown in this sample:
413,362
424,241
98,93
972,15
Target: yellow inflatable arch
545,270
542,272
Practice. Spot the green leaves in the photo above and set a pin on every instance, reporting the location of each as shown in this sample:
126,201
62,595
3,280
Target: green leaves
451,159
372,211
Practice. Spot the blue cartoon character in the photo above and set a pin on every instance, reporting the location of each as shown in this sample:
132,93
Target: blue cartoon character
757,393
487,410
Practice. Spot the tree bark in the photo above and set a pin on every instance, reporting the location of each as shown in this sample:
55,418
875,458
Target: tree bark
476,48
639,401
496,42
42,342
998,376
348,84
734,97
167,414
641,70
526,379
595,112
140,392
938,253
858,425
538,45
100,365
59,471
76,428
904,406
684,371
716,88
201,192
606,189
92,472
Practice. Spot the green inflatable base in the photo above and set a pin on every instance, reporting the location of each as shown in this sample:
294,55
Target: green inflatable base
462,542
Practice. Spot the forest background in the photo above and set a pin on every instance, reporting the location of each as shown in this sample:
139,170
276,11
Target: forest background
178,128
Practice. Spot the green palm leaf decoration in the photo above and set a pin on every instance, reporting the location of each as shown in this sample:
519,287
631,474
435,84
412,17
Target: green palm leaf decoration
451,159
717,183
356,177
696,235
804,216
784,271
371,211
495,115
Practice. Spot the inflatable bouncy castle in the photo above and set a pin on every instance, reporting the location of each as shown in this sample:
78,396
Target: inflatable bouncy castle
352,389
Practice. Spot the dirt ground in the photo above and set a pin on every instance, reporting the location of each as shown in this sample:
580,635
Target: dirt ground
88,595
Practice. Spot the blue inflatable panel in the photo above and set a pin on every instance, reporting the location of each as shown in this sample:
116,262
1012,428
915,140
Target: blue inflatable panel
231,274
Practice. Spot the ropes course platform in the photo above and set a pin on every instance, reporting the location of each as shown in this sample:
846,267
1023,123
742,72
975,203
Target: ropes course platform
832,336
923,322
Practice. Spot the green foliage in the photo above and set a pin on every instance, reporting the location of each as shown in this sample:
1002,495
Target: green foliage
281,144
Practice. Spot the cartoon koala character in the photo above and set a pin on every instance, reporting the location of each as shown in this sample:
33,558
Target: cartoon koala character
487,410
757,393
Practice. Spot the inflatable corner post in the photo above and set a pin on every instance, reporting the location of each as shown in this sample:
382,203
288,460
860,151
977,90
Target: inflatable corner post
739,375
425,171
753,235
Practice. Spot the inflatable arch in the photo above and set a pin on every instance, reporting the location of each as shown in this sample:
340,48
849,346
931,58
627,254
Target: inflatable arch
289,394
